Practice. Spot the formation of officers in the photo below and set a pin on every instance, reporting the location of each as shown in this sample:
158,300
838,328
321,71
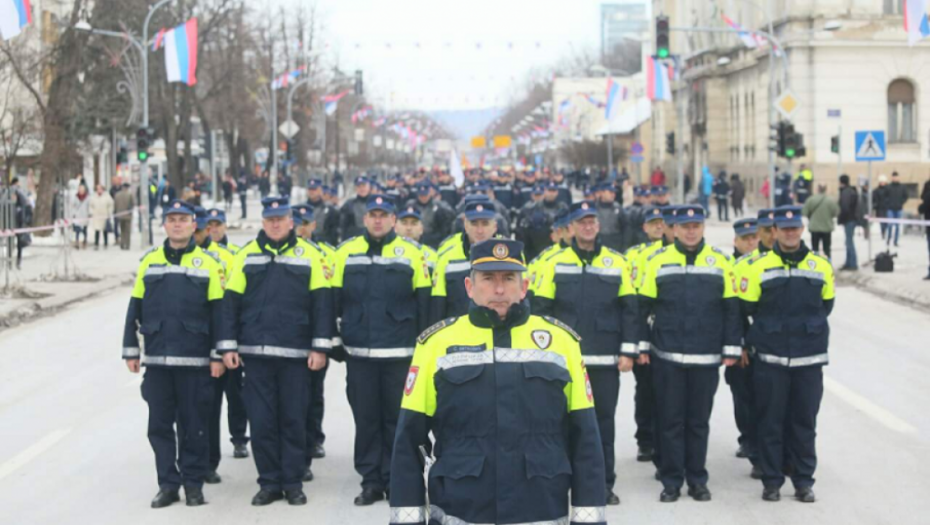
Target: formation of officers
496,370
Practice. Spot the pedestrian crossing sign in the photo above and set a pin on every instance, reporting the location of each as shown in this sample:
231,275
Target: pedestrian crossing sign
870,146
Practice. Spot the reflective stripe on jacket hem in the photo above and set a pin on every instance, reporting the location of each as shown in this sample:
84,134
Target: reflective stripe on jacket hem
408,514
273,351
817,359
589,514
379,353
437,514
688,359
167,360
600,360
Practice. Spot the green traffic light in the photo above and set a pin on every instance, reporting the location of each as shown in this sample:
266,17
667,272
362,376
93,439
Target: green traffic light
789,153
143,156
663,52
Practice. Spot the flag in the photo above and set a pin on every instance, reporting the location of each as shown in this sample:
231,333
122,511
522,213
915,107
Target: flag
159,40
285,79
658,80
14,16
915,21
455,168
331,102
613,94
181,53
749,40
596,103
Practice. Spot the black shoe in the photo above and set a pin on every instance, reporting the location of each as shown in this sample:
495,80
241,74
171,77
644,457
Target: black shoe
368,497
240,451
194,496
699,492
756,472
165,498
266,497
212,478
670,495
295,497
308,476
742,452
805,495
644,454
612,498
318,451
771,494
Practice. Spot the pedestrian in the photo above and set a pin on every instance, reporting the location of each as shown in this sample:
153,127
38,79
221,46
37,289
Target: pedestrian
862,210
783,189
242,187
880,203
80,215
506,396
896,198
22,218
821,212
176,305
168,195
789,293
657,178
101,216
382,288
706,188
279,322
849,202
588,286
737,194
766,190
802,184
722,195
688,287
925,210
745,246
229,189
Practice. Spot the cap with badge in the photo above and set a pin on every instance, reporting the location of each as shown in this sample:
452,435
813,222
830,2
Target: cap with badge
303,213
606,186
313,184
380,202
361,180
498,255
689,214
275,207
538,189
477,210
216,214
788,217
653,213
551,186
202,218
668,214
659,190
766,218
407,212
179,207
580,210
423,189
745,227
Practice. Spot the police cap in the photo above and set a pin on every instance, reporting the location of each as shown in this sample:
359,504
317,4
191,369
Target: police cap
202,219
380,202
498,255
179,207
409,211
689,213
582,209
477,210
659,190
303,213
788,217
668,214
745,227
313,184
216,214
766,218
653,213
275,207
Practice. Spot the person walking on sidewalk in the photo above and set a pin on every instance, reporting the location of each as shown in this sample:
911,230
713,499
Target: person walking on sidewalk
722,194
80,214
897,196
925,210
880,202
124,201
101,215
821,210
849,203
737,194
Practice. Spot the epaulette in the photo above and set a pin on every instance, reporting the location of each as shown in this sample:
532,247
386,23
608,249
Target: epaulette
557,252
413,242
449,238
328,245
151,251
639,247
657,252
756,257
429,332
563,326
213,255
347,241
315,246
615,252
743,257
721,252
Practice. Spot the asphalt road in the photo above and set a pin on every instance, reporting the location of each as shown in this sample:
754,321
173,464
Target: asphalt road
74,449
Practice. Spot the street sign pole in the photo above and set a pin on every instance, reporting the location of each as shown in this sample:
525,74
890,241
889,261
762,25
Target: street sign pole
610,152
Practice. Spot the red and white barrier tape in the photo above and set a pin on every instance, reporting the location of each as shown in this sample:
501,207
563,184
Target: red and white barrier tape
60,223
912,222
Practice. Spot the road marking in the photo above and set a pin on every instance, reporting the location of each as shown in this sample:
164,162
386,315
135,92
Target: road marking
32,452
869,408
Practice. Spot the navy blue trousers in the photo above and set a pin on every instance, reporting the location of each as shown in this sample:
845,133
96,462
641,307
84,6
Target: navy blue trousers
605,384
275,394
229,384
744,407
183,397
315,435
644,403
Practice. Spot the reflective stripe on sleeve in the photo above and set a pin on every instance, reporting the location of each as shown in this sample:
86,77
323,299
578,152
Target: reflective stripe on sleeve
629,348
320,342
589,514
379,353
215,355
817,359
565,269
252,260
175,361
644,347
600,360
227,344
408,514
273,351
456,267
688,359
732,351
131,352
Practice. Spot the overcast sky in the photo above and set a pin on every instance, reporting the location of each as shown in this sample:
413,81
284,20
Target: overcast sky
453,54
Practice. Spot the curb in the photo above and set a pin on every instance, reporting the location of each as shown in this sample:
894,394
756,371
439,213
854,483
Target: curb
48,306
870,284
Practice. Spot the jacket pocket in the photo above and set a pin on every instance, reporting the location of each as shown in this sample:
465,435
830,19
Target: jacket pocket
197,327
547,372
461,374
458,467
547,465
150,327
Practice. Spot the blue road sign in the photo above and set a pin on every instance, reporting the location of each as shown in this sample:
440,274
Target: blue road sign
637,148
637,158
870,146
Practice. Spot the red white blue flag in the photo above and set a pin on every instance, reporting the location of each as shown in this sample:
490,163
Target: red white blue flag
181,53
14,16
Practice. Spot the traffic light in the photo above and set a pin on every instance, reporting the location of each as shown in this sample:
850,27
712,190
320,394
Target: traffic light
776,141
670,143
359,86
835,144
143,141
662,39
122,156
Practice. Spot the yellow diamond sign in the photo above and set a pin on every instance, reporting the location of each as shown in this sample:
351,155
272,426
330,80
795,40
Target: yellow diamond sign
787,104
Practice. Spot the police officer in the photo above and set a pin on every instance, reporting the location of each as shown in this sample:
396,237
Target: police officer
279,322
437,217
634,217
562,236
449,297
536,221
327,217
565,193
688,286
644,397
587,286
410,226
503,189
789,293
352,213
176,306
507,398
523,189
382,285
765,228
659,195
217,228
611,217
739,377
448,192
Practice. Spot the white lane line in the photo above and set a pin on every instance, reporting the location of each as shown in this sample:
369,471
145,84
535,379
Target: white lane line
32,452
867,407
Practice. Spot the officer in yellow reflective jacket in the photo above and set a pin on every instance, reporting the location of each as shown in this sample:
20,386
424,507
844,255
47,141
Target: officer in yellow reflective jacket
176,306
689,288
789,293
217,227
382,296
587,286
410,226
507,398
562,236
279,319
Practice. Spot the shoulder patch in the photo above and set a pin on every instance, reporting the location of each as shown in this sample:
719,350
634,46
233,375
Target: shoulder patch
150,252
657,252
563,326
822,259
431,331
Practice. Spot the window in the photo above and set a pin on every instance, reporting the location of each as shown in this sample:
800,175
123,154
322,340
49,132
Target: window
901,111
893,7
